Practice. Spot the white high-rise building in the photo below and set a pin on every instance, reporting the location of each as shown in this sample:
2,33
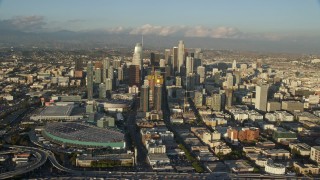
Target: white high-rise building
137,55
234,65
261,97
180,55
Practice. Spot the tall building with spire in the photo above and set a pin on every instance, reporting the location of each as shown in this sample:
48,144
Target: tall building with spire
90,80
137,55
234,65
138,58
181,54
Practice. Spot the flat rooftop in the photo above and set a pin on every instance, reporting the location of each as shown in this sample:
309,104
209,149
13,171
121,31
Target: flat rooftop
57,110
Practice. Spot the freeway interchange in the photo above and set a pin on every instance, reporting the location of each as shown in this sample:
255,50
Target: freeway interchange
43,155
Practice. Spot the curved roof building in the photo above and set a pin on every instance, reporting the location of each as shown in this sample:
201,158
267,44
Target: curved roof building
83,135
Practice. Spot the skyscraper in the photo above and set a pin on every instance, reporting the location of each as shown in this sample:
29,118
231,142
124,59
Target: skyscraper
229,97
144,98
97,75
134,75
120,73
90,80
137,55
229,81
167,55
180,55
78,65
178,81
78,68
109,84
102,91
189,65
234,65
216,102
261,97
157,97
105,67
198,99
201,72
174,59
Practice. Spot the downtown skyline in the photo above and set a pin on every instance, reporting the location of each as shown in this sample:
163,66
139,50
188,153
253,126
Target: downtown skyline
268,22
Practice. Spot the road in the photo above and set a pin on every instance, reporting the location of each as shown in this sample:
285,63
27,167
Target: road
41,157
136,137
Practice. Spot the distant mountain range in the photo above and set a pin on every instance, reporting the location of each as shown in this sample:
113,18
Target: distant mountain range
99,39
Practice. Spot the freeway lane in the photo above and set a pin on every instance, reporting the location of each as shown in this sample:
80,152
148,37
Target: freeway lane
41,157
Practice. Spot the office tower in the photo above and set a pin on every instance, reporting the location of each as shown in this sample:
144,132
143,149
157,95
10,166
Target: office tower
229,97
90,80
78,68
78,65
216,102
155,78
102,91
110,72
162,63
175,59
178,81
189,65
181,54
229,81
198,99
97,75
168,71
137,55
109,84
201,72
198,54
105,67
144,98
197,63
120,73
167,56
234,65
98,64
191,81
261,97
154,59
238,77
157,97
134,75
116,63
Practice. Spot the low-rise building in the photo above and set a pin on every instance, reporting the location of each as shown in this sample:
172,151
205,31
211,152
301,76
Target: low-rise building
117,159
274,168
239,166
223,149
302,149
315,154
281,134
277,154
306,168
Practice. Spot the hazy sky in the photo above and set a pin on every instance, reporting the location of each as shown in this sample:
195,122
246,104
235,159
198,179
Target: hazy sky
270,19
